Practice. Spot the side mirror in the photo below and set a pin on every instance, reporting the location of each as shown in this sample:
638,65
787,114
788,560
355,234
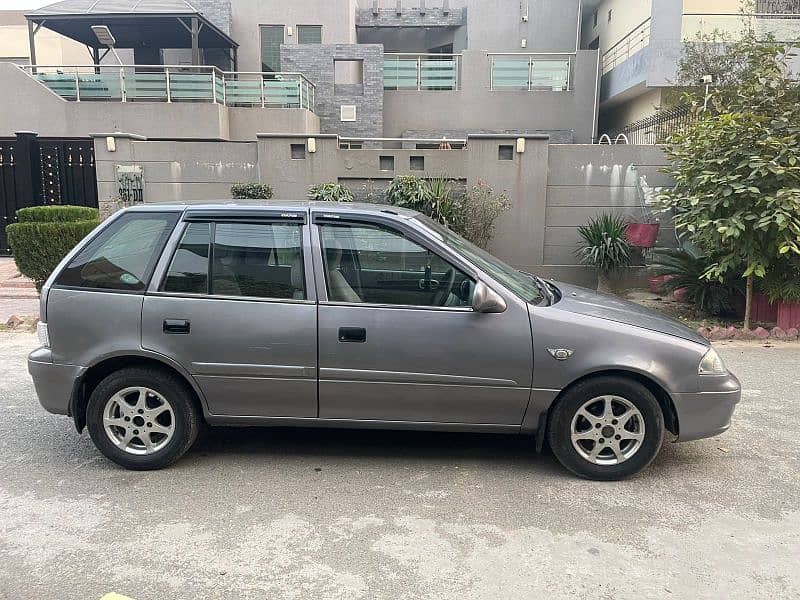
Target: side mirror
486,300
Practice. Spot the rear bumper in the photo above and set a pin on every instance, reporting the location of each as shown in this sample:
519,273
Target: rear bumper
54,383
708,412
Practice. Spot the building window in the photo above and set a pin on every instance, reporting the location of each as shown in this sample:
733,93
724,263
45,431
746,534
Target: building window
387,163
594,19
350,146
271,40
505,152
417,163
309,34
298,151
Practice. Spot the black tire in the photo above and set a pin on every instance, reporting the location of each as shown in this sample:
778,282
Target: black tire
187,421
559,427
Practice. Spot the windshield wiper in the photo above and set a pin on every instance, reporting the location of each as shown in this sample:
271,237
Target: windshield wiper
544,287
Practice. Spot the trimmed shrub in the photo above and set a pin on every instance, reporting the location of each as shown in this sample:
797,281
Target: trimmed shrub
39,245
330,192
251,191
410,192
57,214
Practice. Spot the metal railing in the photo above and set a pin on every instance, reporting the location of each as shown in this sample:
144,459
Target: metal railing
175,83
784,26
656,128
373,143
637,39
421,72
530,72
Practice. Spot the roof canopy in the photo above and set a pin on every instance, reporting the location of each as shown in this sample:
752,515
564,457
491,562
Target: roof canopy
134,23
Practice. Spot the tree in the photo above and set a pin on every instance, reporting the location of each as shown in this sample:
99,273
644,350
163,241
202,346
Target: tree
737,168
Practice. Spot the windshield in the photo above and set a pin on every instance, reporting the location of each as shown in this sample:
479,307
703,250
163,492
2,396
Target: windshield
522,285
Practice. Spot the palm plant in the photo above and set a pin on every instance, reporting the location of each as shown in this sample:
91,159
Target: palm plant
604,247
686,268
330,192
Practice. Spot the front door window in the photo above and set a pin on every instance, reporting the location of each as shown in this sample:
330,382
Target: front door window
377,265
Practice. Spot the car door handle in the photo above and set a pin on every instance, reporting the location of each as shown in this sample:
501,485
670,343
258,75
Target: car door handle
352,334
176,326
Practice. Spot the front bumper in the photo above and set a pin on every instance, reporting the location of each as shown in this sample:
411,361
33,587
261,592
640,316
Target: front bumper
708,411
54,383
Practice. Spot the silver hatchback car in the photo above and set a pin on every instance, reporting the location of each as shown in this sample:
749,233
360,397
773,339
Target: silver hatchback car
167,318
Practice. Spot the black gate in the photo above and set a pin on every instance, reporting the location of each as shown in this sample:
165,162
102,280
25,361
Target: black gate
41,171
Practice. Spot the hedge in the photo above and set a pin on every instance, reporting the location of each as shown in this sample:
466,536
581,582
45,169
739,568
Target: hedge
39,247
57,214
251,191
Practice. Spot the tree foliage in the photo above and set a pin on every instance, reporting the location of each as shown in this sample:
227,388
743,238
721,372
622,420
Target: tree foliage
737,168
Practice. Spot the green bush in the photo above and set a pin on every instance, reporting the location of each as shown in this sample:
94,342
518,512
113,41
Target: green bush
603,243
410,192
39,247
251,191
477,211
57,214
330,192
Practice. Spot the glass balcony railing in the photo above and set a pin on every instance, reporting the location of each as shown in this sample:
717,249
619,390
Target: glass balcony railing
531,72
159,83
428,72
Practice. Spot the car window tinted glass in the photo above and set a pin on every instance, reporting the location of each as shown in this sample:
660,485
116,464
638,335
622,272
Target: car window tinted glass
378,265
263,260
517,282
123,255
188,272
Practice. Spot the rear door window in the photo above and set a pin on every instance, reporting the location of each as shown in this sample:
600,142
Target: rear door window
122,256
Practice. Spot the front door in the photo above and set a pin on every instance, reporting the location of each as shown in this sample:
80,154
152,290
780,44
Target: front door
399,341
245,325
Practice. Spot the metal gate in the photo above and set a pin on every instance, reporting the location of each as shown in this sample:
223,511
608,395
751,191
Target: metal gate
42,171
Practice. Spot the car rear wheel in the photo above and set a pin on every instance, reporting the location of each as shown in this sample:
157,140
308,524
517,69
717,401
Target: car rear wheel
606,428
142,418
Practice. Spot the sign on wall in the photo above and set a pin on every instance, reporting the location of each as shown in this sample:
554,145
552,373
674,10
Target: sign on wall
130,184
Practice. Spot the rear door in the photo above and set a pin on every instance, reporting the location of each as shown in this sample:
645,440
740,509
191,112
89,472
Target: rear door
235,305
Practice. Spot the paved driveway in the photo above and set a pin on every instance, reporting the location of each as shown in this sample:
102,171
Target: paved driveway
338,514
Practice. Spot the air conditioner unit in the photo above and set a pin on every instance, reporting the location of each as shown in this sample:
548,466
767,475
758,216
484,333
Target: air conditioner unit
347,113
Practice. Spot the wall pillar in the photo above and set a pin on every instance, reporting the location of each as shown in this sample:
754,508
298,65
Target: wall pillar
28,171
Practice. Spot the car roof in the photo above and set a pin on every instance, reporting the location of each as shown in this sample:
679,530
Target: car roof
289,205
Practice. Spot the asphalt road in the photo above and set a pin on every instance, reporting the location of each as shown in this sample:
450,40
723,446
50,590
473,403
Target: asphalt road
340,514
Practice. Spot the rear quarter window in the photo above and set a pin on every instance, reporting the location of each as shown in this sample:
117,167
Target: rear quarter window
122,256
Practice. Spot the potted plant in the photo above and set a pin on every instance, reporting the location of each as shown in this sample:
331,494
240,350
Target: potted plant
604,247
642,232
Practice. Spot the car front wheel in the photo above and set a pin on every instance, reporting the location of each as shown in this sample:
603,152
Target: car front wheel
606,428
142,418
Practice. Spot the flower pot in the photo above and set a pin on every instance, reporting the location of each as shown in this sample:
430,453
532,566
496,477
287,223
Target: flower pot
642,235
680,294
655,283
788,315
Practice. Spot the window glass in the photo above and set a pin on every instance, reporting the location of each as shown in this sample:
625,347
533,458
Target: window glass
263,260
188,272
373,264
309,34
123,255
271,40
514,280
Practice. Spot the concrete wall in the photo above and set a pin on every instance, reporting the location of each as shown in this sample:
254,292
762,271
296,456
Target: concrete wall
337,18
176,171
33,107
477,109
554,189
626,15
51,48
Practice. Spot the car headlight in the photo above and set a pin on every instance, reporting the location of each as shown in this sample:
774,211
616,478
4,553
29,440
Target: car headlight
712,364
44,336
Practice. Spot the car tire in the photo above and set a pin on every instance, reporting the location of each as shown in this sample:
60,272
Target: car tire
143,418
596,444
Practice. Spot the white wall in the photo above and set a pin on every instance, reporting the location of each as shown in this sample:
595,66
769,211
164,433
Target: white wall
626,15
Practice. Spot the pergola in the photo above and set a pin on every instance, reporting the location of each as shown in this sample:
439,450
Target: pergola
145,24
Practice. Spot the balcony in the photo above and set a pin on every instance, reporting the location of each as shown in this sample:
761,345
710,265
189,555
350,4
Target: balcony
421,72
175,83
784,26
531,72
637,39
